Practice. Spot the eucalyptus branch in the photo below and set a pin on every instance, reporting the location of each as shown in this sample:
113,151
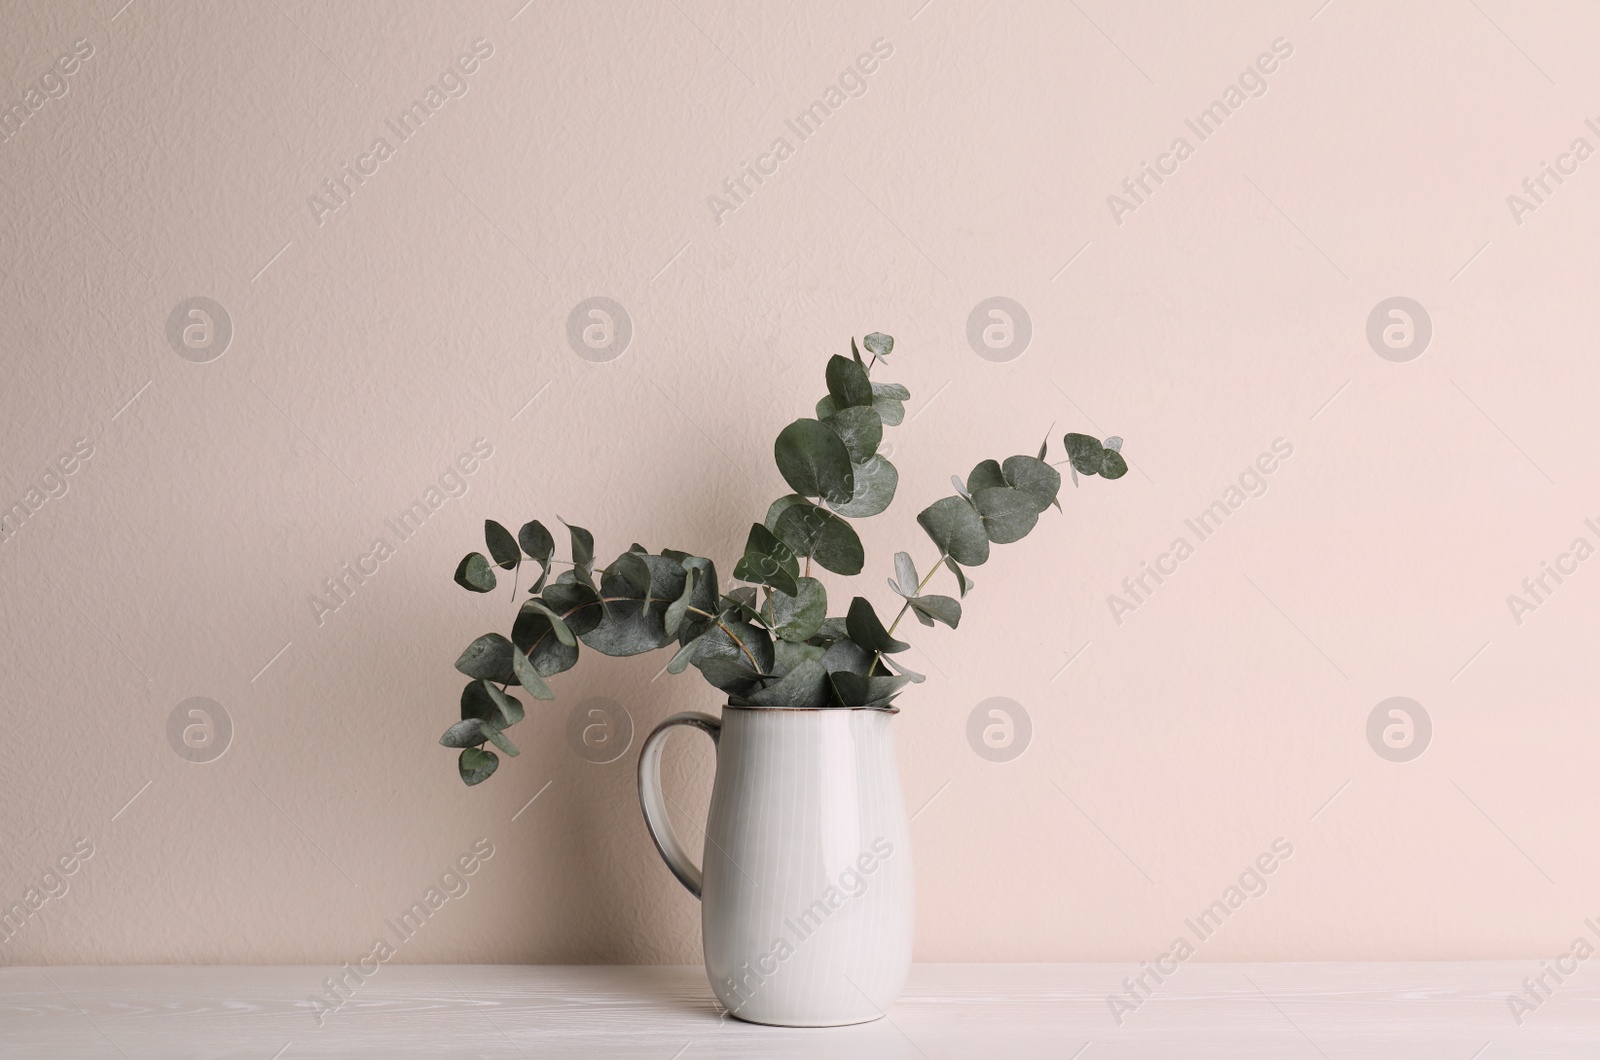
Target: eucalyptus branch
647,601
923,584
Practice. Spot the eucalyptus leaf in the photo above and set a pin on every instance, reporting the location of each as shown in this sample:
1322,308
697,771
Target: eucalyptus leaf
684,656
855,690
846,656
1085,452
536,542
476,703
703,598
1114,442
905,574
578,604
475,573
847,383
741,604
985,476
804,686
818,533
634,621
582,551
1008,514
963,582
535,639
501,740
876,482
765,571
941,608
833,629
734,656
1034,477
563,631
529,677
867,630
889,399
955,480
678,610
1114,466
909,674
861,430
878,344
826,407
509,707
797,616
469,732
786,655
768,561
502,546
814,461
488,658
477,766
632,569
957,529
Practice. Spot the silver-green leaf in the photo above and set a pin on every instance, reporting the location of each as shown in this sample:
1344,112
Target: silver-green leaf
957,529
477,766
814,461
475,573
502,546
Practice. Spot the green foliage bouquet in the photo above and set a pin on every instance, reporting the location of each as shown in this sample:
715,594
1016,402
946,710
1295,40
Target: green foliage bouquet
768,642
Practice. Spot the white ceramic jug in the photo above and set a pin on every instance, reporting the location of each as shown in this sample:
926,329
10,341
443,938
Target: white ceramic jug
806,892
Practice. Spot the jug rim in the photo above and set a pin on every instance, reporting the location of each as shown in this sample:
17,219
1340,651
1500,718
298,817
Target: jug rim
890,709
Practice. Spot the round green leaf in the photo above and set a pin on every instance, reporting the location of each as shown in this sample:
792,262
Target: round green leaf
1008,514
475,573
529,677
876,482
957,529
477,766
1035,478
847,382
502,546
501,740
889,399
468,732
943,608
804,686
985,476
488,658
1114,465
861,429
867,630
814,461
818,533
796,617
1085,452
509,708
536,541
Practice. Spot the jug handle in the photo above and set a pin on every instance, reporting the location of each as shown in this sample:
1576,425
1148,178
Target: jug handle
654,802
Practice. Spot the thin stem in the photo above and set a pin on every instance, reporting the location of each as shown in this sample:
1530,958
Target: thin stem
920,586
877,656
733,637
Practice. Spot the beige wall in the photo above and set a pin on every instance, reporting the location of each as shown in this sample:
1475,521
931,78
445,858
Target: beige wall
372,344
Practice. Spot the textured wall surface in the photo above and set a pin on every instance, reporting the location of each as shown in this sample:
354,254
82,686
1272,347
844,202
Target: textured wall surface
184,501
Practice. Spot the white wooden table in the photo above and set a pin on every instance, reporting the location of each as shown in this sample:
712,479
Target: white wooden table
1370,1011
